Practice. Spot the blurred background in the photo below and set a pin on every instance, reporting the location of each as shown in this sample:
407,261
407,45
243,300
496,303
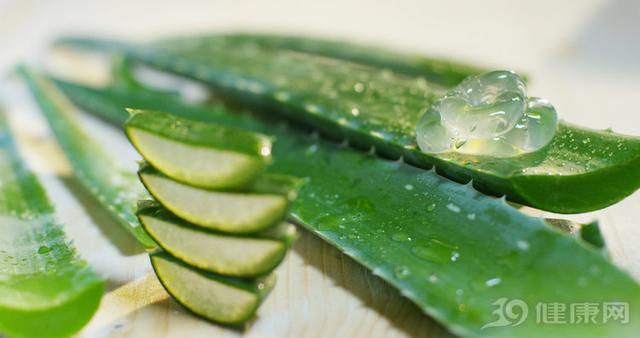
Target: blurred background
582,55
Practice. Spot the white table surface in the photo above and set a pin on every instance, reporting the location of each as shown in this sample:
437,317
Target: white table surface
584,56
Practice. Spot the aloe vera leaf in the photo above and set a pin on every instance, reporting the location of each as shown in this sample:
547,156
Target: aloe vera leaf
442,244
231,212
115,188
46,289
225,300
436,70
199,154
581,170
216,252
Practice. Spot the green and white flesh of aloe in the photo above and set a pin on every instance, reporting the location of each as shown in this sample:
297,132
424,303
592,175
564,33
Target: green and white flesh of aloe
225,211
451,250
222,299
198,154
46,289
239,256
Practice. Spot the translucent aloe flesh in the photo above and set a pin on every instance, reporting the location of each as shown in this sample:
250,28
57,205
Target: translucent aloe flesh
215,252
224,300
448,248
581,170
45,288
203,155
230,212
115,188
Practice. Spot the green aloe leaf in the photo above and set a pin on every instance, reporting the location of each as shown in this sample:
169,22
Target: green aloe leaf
439,71
45,288
581,170
448,248
116,189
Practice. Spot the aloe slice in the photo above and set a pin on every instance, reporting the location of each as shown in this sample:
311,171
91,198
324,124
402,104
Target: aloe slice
446,247
116,189
231,212
581,170
45,287
215,252
198,154
220,299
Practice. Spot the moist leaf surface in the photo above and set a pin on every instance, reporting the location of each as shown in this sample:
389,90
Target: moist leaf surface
448,248
46,289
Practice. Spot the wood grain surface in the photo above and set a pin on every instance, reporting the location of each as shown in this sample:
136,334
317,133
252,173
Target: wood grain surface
581,55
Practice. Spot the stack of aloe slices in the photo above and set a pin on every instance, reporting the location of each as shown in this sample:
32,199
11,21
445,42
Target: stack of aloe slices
218,216
220,275
45,288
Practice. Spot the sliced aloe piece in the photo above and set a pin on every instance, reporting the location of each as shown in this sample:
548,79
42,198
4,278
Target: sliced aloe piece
115,188
224,300
446,247
231,212
199,154
581,170
45,287
215,252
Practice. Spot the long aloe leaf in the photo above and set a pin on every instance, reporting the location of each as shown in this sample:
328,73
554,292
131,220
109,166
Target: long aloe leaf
436,70
448,248
45,288
115,188
581,170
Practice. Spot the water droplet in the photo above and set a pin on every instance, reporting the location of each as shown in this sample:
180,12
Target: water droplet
453,207
431,207
433,278
401,272
454,256
492,282
408,187
401,237
471,217
522,245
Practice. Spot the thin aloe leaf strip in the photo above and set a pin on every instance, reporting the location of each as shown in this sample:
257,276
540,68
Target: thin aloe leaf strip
116,189
203,155
221,299
446,247
581,170
45,287
218,253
